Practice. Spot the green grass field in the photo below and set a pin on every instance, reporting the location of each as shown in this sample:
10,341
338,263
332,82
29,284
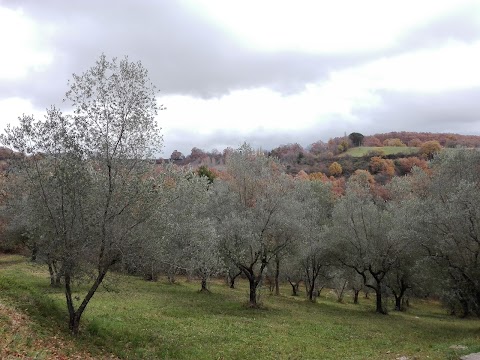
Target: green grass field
134,319
387,150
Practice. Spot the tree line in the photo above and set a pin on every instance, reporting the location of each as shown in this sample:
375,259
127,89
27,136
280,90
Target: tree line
86,197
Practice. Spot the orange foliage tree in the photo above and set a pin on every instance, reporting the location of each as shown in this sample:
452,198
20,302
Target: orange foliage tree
318,176
335,169
430,148
406,165
393,142
384,166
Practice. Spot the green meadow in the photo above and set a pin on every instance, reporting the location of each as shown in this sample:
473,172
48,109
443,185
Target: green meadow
134,319
386,150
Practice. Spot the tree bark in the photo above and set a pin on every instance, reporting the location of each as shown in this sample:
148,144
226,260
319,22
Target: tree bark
277,275
75,315
33,256
232,279
294,286
379,306
378,292
253,292
55,274
204,285
355,296
52,274
398,303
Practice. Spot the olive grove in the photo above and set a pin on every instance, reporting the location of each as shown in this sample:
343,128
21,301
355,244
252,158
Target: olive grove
86,196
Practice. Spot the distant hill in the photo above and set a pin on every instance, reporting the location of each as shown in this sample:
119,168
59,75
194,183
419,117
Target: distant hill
383,155
410,138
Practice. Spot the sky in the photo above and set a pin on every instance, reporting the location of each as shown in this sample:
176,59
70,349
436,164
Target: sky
266,72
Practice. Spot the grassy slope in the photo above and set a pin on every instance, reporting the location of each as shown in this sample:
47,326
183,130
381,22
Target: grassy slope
387,150
137,319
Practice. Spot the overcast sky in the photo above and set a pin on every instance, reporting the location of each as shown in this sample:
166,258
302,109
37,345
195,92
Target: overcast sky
268,72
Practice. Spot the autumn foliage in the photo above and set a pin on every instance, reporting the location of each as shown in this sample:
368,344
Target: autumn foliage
430,148
335,169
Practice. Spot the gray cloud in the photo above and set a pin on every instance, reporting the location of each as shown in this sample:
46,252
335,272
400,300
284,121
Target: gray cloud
449,112
185,54
452,111
460,25
324,129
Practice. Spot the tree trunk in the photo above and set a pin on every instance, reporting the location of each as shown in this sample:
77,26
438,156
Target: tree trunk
233,278
398,303
58,280
400,295
311,292
277,275
355,296
204,285
52,274
33,257
74,323
294,288
341,292
253,292
55,274
379,305
465,308
75,315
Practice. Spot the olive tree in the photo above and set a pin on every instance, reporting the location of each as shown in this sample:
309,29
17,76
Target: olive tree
316,198
410,267
90,173
360,238
181,238
253,210
447,221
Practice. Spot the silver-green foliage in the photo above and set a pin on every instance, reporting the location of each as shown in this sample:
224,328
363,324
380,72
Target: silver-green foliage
89,179
254,210
448,224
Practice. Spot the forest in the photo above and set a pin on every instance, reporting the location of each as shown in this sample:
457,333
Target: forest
83,194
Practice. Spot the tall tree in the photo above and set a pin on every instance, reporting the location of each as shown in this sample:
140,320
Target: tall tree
90,172
356,138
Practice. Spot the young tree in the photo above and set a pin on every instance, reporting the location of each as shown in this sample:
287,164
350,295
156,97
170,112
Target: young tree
89,172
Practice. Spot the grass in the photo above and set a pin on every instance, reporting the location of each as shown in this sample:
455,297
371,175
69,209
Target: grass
147,320
387,150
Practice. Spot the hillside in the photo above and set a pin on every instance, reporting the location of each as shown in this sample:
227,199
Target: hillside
317,157
133,318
